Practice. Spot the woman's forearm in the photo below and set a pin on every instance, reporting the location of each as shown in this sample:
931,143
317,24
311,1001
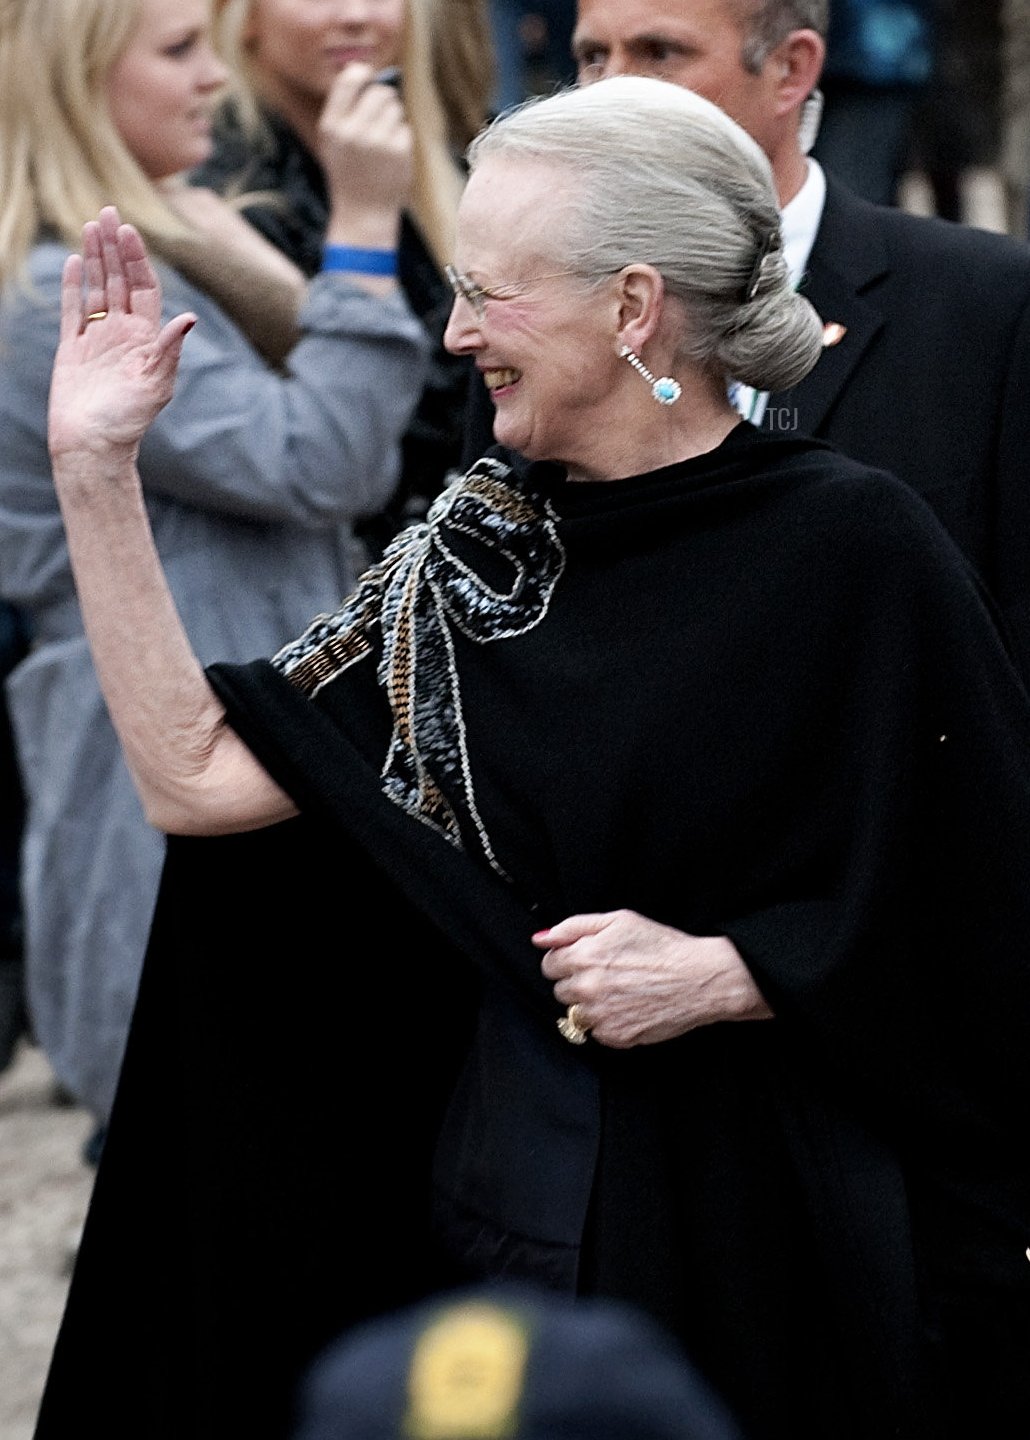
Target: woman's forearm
193,773
113,372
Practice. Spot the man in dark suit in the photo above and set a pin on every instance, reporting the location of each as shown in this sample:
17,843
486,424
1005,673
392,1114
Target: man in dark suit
927,323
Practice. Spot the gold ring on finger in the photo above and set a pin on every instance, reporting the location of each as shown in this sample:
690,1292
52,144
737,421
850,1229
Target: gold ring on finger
571,1027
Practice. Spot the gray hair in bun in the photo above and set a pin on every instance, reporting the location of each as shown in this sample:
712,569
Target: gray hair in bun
660,176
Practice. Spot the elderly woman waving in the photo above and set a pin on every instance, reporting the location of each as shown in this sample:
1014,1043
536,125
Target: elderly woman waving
646,834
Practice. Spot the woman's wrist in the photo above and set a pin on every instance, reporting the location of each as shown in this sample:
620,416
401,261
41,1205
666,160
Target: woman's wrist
358,260
100,463
364,230
364,252
735,993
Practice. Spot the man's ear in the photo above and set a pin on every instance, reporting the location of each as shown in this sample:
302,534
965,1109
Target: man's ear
797,63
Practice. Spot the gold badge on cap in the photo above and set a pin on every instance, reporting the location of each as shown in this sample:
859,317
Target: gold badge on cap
466,1376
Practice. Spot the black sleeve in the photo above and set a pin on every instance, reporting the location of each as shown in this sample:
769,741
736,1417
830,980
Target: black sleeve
1010,564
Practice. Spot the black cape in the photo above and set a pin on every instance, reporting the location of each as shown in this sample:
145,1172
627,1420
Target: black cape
768,700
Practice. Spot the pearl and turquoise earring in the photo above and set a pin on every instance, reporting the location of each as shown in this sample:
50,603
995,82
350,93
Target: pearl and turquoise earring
665,390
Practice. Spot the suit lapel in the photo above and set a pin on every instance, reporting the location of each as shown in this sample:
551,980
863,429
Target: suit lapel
847,260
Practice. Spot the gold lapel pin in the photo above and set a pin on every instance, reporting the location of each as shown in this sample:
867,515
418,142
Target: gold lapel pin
833,333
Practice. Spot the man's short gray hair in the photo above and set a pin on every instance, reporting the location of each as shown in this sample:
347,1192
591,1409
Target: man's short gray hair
657,175
768,22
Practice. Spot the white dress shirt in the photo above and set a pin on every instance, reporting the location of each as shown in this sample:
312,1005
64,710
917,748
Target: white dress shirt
799,221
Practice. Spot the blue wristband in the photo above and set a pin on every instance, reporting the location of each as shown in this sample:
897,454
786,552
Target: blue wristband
357,261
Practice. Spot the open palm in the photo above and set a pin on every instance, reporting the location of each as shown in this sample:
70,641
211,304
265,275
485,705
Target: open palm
115,365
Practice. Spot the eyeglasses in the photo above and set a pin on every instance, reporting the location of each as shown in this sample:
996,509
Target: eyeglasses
477,295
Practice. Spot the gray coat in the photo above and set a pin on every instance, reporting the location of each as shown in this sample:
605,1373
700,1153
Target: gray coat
252,480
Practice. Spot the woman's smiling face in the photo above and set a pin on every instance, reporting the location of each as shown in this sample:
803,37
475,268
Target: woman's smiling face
544,340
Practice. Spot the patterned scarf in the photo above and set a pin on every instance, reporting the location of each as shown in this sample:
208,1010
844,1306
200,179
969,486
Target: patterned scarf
417,593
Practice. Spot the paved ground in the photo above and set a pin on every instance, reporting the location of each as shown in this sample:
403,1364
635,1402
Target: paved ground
44,1191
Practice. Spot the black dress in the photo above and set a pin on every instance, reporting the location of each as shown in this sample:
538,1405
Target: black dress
295,222
757,694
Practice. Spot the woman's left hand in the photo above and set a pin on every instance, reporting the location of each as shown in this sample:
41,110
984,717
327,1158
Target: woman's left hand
636,982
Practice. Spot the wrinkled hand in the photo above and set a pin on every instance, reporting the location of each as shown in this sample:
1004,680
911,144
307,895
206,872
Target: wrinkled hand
111,375
366,147
636,982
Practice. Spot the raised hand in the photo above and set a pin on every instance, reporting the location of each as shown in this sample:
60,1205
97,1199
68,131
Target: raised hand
115,365
366,153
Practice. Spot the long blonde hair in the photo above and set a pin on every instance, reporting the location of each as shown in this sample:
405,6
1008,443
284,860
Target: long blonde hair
438,180
465,67
61,157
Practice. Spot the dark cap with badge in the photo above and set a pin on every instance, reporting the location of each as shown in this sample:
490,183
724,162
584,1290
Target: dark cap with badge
507,1363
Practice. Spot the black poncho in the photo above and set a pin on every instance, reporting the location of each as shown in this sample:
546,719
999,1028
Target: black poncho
757,693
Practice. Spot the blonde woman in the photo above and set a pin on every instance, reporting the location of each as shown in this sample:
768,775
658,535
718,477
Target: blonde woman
270,141
252,480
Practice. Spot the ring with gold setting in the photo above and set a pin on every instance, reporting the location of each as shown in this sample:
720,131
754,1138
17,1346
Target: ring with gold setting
571,1028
